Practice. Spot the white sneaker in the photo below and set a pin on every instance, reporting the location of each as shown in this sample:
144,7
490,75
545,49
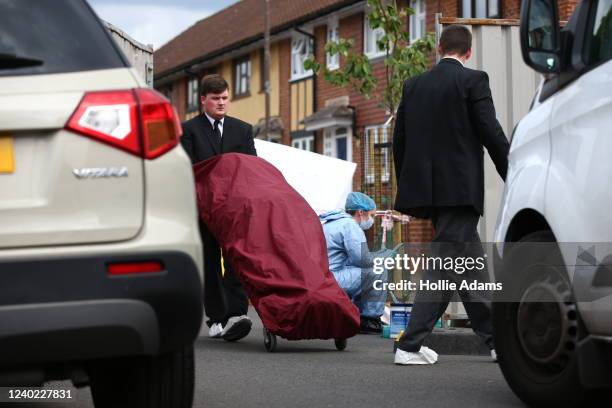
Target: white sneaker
424,356
215,330
236,328
494,355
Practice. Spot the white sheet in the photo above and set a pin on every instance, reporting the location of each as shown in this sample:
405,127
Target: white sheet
323,181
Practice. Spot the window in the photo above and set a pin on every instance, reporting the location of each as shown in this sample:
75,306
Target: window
242,77
370,40
193,99
480,8
417,20
377,153
304,143
301,48
333,61
337,143
599,40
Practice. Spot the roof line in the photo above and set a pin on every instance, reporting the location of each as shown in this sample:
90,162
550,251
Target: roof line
250,40
198,22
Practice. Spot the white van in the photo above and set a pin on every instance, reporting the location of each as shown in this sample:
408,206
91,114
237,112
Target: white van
554,336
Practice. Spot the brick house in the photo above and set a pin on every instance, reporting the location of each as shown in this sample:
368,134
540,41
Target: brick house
230,43
308,113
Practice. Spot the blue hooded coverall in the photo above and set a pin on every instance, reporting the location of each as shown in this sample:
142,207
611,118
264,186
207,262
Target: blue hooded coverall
351,262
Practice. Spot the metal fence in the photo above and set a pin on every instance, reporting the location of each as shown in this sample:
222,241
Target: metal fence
379,182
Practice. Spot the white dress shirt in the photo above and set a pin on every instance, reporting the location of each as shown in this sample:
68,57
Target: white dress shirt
212,123
455,58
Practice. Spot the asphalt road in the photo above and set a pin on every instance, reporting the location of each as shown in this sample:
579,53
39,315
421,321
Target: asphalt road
313,374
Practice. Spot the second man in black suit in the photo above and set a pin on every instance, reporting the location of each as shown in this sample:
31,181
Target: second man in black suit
445,117
209,134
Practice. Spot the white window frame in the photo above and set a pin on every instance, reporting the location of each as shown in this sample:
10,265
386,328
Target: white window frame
330,135
193,96
242,76
370,39
333,61
481,8
381,134
304,143
418,19
301,48
493,9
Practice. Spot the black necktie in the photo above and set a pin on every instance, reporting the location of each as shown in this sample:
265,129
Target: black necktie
217,132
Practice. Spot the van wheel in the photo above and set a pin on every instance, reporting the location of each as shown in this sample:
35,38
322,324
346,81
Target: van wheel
164,381
536,328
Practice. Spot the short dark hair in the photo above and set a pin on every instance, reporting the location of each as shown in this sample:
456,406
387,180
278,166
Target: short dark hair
213,83
455,39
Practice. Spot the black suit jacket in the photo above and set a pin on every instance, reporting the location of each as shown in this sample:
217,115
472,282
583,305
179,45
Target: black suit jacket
199,142
445,117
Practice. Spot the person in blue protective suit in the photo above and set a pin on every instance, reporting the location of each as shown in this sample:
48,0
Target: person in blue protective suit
350,260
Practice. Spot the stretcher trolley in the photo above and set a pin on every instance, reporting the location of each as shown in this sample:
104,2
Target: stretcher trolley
274,241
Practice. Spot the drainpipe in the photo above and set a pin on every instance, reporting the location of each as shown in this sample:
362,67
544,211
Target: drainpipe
357,143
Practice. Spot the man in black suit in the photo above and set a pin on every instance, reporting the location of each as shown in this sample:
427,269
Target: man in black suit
445,117
207,135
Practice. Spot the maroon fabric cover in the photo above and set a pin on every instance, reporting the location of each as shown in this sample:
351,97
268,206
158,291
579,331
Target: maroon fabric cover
275,244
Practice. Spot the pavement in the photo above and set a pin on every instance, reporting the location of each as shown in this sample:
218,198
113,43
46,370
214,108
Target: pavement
312,373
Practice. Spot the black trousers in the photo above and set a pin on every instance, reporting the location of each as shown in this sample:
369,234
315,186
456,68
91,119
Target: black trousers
455,236
224,297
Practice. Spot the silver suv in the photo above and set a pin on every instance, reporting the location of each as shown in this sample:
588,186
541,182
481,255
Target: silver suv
100,255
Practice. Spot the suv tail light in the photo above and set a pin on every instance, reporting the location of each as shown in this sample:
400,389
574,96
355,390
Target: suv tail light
139,121
130,268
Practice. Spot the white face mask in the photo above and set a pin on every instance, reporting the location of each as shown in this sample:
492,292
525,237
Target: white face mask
366,225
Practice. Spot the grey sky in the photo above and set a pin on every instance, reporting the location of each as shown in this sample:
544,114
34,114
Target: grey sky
156,21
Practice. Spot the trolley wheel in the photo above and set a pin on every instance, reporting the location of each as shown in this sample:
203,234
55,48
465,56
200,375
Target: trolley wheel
269,340
340,344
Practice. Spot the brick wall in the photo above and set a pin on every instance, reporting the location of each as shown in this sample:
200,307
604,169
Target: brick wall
367,111
511,8
419,230
450,7
431,8
566,8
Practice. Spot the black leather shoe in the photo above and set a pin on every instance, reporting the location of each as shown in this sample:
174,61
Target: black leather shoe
370,325
236,328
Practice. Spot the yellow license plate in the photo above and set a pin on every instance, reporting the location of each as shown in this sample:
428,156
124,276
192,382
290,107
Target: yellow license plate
7,155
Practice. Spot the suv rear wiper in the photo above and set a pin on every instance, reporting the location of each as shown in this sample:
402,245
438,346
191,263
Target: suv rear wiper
12,61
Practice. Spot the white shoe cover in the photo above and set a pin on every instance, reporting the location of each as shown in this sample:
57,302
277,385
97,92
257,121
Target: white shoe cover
424,356
215,331
386,316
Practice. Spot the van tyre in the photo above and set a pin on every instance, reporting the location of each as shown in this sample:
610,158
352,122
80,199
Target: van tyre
536,334
165,381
